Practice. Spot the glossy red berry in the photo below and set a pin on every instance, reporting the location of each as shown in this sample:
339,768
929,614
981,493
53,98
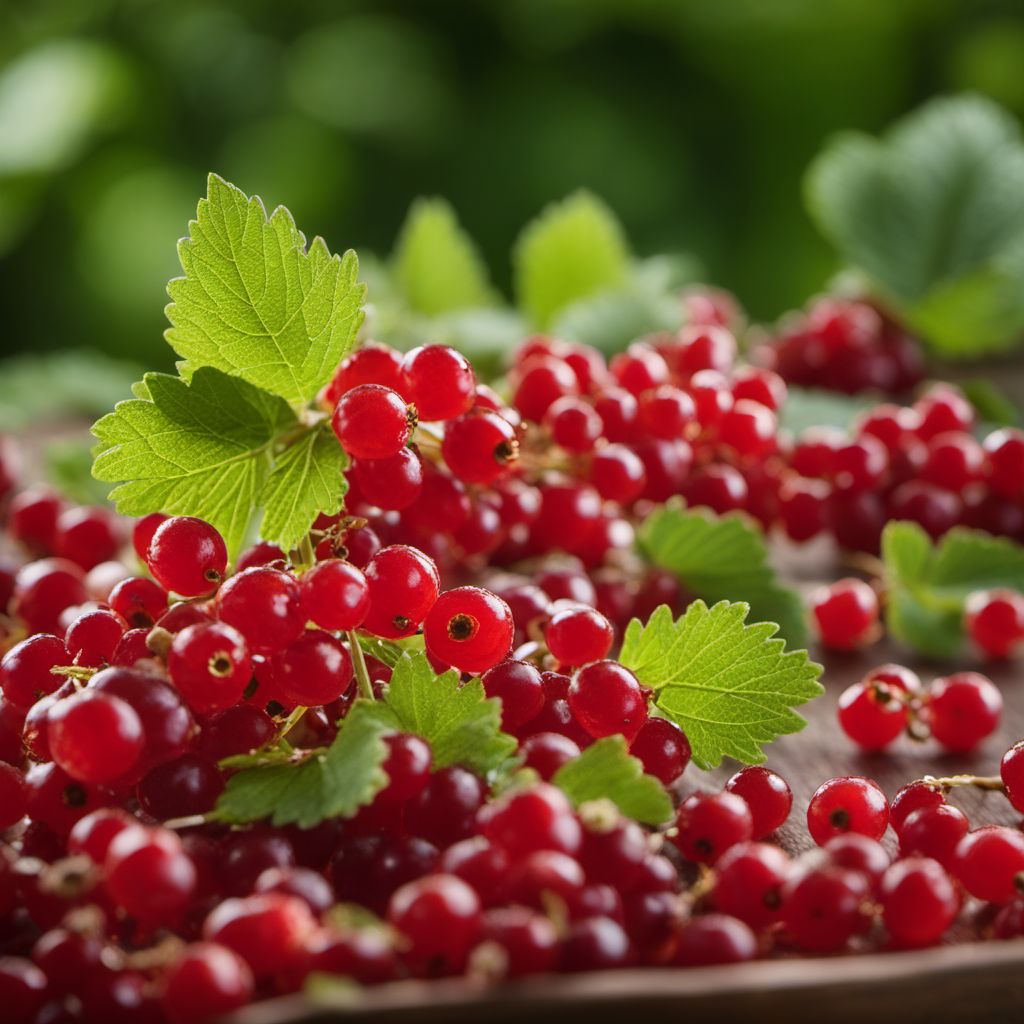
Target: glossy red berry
25,672
143,530
269,930
439,381
403,585
962,710
989,863
546,752
470,628
910,798
517,684
576,636
712,939
1005,451
149,874
393,483
934,832
94,736
372,422
606,698
371,364
440,918
662,748
710,823
265,606
527,941
847,804
86,536
768,796
23,989
315,669
205,982
822,907
995,621
872,714
479,447
187,556
44,589
748,882
335,595
13,800
407,767
919,902
639,368
618,473
846,614
523,821
139,601
445,811
209,665
92,638
854,852
1011,770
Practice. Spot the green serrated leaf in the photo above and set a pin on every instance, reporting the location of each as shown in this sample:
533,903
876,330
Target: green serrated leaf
605,770
928,586
69,469
574,249
461,724
390,652
202,449
436,264
722,558
307,479
331,784
933,214
256,303
730,686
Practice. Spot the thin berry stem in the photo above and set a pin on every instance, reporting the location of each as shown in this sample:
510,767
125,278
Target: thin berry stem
291,721
992,783
363,681
307,556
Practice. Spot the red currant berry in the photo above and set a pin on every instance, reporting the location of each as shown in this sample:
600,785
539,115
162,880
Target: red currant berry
372,422
315,669
872,714
748,882
618,473
546,752
715,939
25,672
594,944
935,510
93,834
236,730
847,804
440,918
527,941
995,621
265,606
846,614
768,796
149,875
393,483
854,852
576,636
934,832
13,800
860,465
92,638
667,412
748,428
718,487
209,665
1005,451
606,699
662,748
23,989
962,710
574,424
206,981
1012,772
371,364
407,767
518,686
954,461
403,585
919,902
335,595
94,736
989,863
470,628
710,823
143,530
911,798
821,907
139,601
759,385
444,812
943,408
523,821
44,589
541,382
269,930
187,556
479,447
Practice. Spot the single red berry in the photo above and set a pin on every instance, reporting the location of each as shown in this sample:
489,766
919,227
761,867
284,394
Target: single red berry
403,585
440,918
962,710
143,530
93,834
934,509
748,882
43,590
269,930
546,752
236,730
768,796
942,408
854,852
919,902
954,461
541,381
934,832
995,621
187,556
847,804
149,875
872,714
662,748
439,381
261,553
639,368
527,940
748,428
470,628
205,981
265,606
25,672
989,862
595,943
209,665
94,736
517,684
371,364
846,614
1005,450
710,823
712,939
606,699
445,811
139,601
315,669
574,424
667,412
804,510
523,821
372,422
13,799
576,636
187,786
760,385
479,447
910,798
718,487
821,907
860,465
407,767
86,536
618,473
1012,772
335,595
392,484
92,638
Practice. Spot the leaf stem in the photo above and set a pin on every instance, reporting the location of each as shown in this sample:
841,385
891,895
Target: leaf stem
988,782
291,721
363,680
307,556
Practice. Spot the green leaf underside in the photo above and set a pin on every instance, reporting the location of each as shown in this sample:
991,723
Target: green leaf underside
722,558
605,770
436,264
333,784
256,303
928,585
307,479
201,449
933,214
573,249
461,724
730,686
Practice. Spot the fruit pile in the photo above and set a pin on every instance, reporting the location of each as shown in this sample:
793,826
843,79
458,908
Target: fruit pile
496,538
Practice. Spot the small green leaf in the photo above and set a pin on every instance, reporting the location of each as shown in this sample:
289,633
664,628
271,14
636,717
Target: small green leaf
461,724
991,404
390,652
574,249
605,770
255,303
307,479
730,686
928,586
933,215
436,264
69,469
722,558
808,407
330,784
202,449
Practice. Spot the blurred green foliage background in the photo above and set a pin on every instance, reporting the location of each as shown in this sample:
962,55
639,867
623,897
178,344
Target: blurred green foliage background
694,119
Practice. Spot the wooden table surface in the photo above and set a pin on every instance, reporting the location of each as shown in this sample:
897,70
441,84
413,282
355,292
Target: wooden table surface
962,981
